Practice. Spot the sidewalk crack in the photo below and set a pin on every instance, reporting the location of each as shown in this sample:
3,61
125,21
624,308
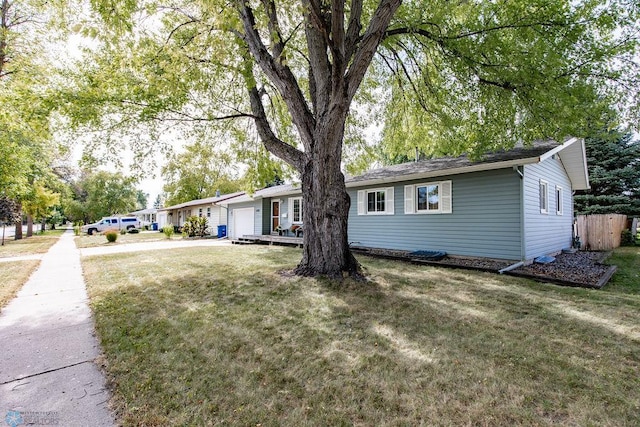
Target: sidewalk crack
46,372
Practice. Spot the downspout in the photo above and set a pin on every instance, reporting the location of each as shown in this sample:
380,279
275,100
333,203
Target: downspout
511,267
520,171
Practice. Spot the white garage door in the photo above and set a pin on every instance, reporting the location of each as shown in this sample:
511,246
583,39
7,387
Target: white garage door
243,221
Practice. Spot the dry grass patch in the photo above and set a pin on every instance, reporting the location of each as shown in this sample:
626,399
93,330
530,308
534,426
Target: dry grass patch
217,336
98,239
36,244
14,275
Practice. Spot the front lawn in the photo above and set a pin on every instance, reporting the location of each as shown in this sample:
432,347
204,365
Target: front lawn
14,275
98,239
218,336
36,244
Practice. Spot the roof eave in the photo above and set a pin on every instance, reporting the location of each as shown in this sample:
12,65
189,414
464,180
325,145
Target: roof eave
445,172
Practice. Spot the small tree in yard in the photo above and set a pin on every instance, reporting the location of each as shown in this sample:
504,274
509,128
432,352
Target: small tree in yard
9,213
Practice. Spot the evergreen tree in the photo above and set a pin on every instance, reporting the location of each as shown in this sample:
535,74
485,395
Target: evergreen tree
613,160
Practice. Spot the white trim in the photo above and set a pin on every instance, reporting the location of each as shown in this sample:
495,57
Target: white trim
291,200
409,208
543,184
363,201
559,148
559,200
445,200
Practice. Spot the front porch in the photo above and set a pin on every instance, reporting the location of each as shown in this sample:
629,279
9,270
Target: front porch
268,238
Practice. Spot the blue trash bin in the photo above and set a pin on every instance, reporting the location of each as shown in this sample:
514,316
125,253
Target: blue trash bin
222,231
154,226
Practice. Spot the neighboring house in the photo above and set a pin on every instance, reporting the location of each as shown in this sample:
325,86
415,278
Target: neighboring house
516,204
146,216
210,208
264,211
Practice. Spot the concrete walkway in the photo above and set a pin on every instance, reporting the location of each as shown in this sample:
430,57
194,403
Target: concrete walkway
48,373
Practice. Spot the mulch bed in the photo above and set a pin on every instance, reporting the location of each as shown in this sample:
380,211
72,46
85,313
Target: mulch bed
581,269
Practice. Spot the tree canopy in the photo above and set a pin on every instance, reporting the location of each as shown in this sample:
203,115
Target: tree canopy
198,172
311,76
613,159
102,194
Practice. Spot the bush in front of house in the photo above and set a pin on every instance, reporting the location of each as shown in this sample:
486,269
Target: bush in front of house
195,226
112,235
168,231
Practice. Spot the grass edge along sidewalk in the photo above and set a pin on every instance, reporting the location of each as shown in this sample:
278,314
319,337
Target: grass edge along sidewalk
220,336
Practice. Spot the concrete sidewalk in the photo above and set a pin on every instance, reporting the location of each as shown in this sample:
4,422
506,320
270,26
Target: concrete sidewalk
48,373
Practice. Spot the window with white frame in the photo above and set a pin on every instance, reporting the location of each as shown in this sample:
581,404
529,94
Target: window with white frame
544,197
208,212
375,201
200,212
428,198
559,200
295,204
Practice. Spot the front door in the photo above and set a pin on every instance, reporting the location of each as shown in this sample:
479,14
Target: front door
275,215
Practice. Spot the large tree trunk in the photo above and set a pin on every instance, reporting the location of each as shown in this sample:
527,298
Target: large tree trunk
18,233
325,213
29,226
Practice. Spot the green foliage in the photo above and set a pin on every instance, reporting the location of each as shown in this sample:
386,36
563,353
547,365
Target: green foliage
40,202
111,235
628,239
168,231
613,160
102,194
9,211
197,173
195,226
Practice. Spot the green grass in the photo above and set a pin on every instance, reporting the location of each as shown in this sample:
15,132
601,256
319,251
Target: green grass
86,241
218,336
36,244
14,275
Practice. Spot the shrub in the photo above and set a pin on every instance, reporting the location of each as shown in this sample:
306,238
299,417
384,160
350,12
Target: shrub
195,226
123,231
168,231
77,227
112,235
627,238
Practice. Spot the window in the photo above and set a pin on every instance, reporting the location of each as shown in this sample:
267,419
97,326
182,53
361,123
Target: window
559,200
377,201
544,197
295,204
200,212
208,212
428,198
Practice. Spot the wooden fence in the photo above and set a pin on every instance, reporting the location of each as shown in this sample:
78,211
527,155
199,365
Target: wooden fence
600,232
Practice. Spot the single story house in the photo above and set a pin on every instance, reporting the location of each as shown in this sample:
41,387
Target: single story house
514,205
210,207
146,216
265,212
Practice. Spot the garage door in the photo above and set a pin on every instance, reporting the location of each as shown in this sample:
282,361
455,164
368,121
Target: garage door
243,221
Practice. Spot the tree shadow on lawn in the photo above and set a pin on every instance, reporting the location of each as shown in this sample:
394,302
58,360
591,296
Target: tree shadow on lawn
413,346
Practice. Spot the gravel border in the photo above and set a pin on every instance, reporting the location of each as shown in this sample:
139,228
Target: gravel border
580,269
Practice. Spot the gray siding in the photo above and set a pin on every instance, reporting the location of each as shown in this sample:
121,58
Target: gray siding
546,233
485,220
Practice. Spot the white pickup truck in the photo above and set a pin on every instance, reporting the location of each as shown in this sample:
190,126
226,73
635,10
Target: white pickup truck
112,222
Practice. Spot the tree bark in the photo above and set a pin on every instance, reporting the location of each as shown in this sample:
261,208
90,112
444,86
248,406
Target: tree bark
29,226
325,204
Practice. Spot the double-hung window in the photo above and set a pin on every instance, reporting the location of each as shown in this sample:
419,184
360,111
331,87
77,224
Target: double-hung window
428,198
295,205
544,197
559,209
375,201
